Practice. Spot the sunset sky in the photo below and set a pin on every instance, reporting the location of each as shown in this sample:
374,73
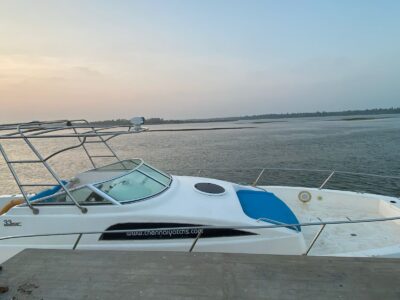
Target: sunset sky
192,59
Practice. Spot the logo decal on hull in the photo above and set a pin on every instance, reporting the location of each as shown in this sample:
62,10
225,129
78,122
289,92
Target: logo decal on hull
9,222
155,231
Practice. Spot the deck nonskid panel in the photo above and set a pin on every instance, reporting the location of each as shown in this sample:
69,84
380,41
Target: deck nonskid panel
358,239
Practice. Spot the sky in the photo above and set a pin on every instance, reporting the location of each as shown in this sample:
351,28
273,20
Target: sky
195,59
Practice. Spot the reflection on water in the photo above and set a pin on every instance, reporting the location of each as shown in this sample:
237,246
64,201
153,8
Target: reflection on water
368,146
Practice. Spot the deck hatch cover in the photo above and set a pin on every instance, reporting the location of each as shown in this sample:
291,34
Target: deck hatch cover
209,188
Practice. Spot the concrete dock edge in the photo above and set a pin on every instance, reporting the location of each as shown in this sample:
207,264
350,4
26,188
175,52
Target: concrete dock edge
67,274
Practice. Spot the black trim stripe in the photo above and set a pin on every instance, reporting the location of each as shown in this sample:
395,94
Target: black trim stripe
167,234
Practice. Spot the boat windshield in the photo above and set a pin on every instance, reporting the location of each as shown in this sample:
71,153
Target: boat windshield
142,182
132,180
124,165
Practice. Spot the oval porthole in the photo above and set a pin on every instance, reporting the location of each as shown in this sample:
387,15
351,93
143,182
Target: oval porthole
304,196
209,188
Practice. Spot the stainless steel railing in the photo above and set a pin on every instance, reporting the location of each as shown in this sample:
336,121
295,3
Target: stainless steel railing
324,181
201,229
56,129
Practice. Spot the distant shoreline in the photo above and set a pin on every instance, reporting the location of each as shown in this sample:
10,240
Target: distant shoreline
159,121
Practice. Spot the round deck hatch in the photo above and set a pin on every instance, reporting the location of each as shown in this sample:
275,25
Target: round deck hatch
209,188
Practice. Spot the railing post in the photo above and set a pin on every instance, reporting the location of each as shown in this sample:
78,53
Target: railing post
77,241
258,177
315,239
85,149
35,211
196,239
326,180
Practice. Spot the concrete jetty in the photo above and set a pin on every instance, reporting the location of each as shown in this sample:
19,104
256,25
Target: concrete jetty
79,274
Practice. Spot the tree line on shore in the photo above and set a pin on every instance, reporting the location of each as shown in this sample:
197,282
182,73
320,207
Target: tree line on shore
150,121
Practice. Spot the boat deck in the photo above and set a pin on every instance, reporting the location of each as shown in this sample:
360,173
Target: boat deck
358,239
67,274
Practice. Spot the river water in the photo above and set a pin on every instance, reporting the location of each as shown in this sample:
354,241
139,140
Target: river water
366,146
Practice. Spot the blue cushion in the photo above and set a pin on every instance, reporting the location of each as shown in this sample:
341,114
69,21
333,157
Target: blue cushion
48,192
260,204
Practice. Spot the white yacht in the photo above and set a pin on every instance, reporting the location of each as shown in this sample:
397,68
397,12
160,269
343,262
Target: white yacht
131,205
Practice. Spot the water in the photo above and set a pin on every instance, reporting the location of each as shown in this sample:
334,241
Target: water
367,146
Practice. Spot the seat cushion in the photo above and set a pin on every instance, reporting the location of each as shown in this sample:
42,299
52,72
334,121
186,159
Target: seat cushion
48,192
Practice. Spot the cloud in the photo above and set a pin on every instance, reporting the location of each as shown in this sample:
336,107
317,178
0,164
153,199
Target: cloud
16,69
89,72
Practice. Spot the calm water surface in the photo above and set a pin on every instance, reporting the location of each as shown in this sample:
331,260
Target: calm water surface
368,146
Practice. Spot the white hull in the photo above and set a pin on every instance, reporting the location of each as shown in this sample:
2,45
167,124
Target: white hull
181,204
